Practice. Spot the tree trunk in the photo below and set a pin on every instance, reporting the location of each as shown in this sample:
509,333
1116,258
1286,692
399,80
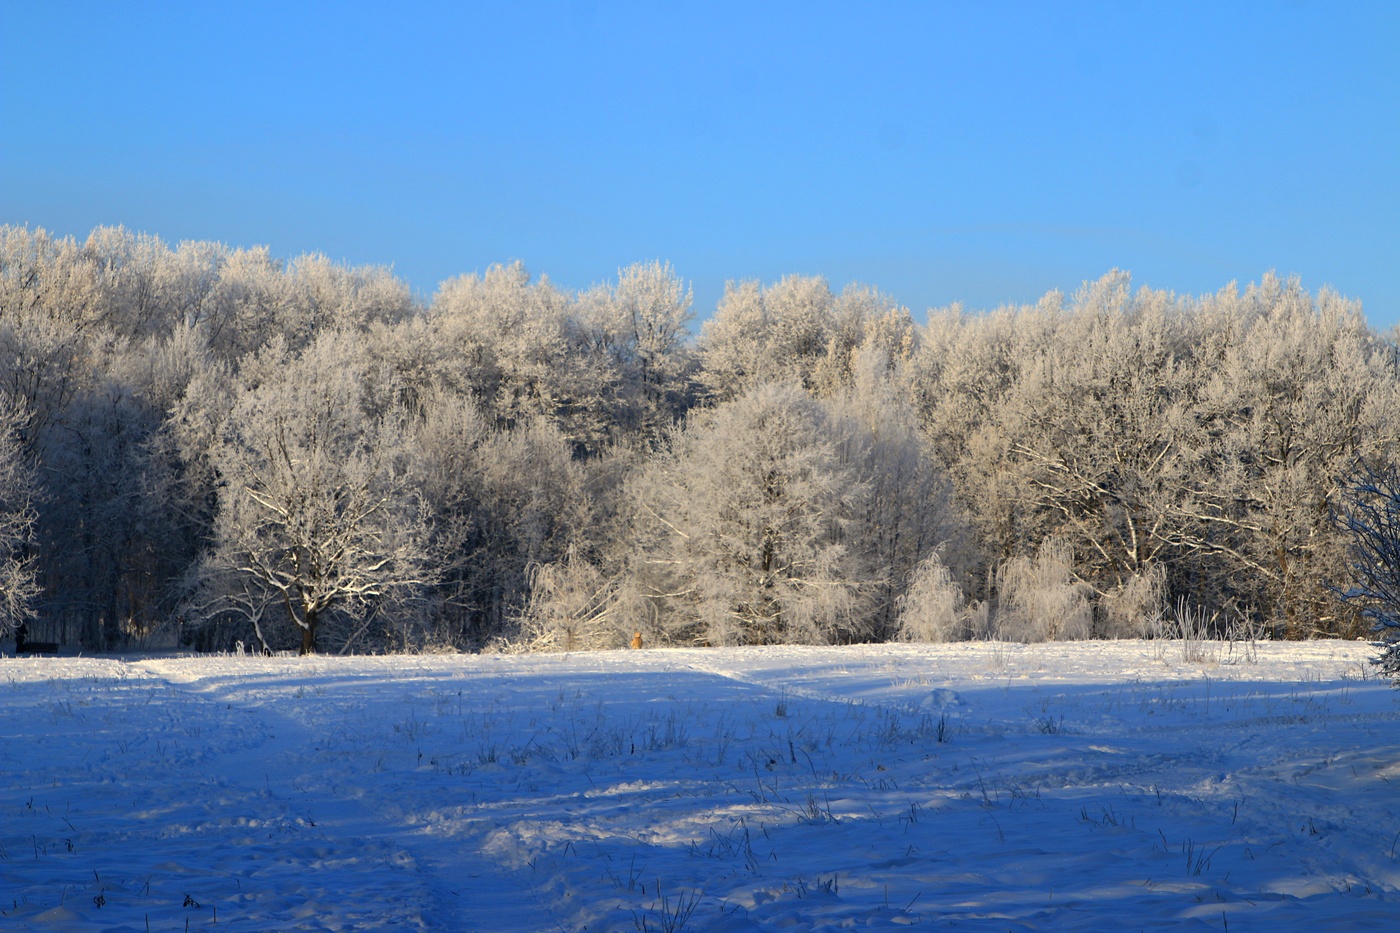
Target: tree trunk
308,633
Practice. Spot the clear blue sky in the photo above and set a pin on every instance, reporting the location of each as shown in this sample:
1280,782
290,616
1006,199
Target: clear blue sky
943,151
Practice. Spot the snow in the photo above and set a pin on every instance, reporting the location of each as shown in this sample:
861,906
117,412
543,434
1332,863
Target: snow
1079,786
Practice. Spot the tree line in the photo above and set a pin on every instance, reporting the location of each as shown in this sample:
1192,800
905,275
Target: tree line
212,446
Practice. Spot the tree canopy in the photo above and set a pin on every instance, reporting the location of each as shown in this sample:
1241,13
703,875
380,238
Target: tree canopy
214,445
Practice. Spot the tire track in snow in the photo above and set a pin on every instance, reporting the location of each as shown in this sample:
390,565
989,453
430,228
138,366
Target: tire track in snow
314,773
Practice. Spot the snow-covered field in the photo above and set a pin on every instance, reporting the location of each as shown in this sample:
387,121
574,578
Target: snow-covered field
1087,786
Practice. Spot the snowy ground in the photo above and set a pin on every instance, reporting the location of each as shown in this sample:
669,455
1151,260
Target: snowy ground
1090,786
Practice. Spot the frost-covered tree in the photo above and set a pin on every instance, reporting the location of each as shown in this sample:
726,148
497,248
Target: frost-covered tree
1305,390
865,325
635,339
796,330
51,308
506,342
763,335
316,524
1369,514
532,508
75,320
503,500
572,606
961,376
1180,448
745,526
1066,420
254,297
18,587
909,510
1093,422
1197,438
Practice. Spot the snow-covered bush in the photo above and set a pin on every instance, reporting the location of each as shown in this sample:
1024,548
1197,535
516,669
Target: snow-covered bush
932,608
1040,598
1128,610
573,607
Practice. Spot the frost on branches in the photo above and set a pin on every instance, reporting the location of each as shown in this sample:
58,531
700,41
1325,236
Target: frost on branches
1371,516
17,587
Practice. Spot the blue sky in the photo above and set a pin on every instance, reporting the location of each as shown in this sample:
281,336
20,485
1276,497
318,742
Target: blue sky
974,152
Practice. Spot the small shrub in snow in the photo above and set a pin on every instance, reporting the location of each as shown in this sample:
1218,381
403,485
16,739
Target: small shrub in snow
1194,631
1127,610
1040,598
932,608
999,658
1244,633
573,607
